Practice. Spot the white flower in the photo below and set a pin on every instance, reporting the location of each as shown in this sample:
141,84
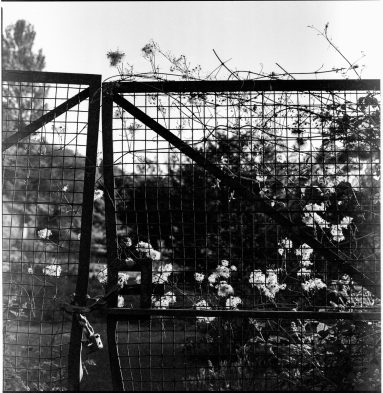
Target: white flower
103,276
225,262
212,278
123,279
313,284
138,279
199,277
286,243
225,289
337,234
303,272
163,273
65,188
79,236
98,194
304,251
311,217
346,221
233,268
257,278
171,297
233,302
223,271
44,233
120,301
148,250
52,270
268,285
30,270
163,303
281,251
129,261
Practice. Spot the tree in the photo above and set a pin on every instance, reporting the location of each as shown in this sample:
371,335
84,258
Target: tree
17,48
21,103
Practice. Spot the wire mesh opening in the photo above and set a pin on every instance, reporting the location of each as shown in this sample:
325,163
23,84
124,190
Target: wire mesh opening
43,182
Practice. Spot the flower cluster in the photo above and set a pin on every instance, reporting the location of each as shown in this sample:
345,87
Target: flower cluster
199,277
284,246
44,233
162,273
233,302
304,272
164,301
336,230
102,276
148,251
122,279
222,271
52,270
312,218
120,301
98,194
304,252
267,284
313,285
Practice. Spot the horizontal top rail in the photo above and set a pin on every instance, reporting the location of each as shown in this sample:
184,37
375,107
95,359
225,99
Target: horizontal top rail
50,77
245,85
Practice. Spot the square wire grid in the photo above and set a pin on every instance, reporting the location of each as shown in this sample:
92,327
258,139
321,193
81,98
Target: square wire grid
43,180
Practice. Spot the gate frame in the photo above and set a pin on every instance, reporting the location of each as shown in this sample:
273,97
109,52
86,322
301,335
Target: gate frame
93,92
111,95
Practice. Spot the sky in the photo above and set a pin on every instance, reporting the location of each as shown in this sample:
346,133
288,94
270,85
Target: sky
75,36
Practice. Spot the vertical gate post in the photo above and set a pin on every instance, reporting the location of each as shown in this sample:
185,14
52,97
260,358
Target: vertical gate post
111,234
74,358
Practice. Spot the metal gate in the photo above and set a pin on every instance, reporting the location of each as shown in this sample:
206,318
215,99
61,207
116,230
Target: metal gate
242,230
50,128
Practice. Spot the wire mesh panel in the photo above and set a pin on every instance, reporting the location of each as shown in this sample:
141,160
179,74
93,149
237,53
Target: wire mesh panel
45,219
245,196
176,354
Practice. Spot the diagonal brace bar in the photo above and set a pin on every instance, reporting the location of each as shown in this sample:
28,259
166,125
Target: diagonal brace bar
38,123
299,232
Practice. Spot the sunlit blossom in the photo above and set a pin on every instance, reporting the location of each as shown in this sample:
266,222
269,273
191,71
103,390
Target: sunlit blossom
233,302
102,276
199,277
223,271
171,297
337,233
212,278
44,233
162,274
120,301
224,289
313,284
304,272
30,270
122,279
98,194
147,249
225,262
52,270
